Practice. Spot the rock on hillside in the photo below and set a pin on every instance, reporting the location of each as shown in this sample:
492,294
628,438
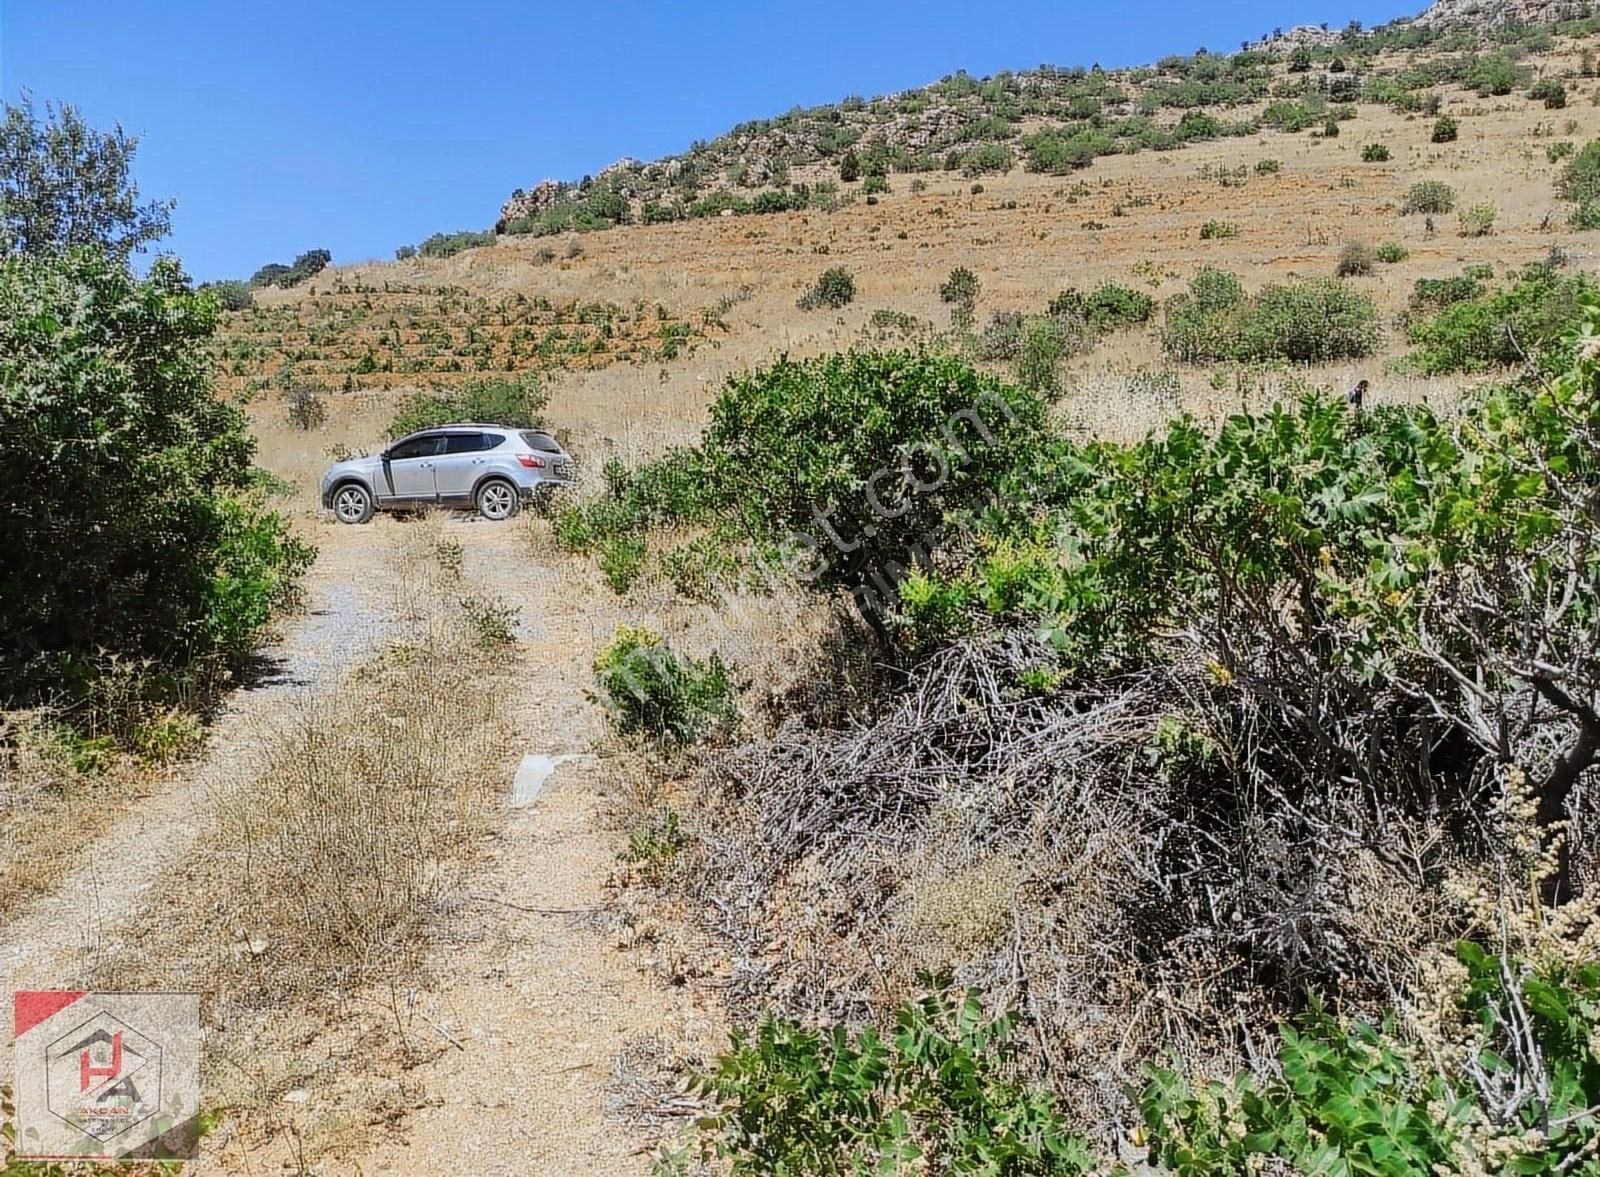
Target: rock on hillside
1488,14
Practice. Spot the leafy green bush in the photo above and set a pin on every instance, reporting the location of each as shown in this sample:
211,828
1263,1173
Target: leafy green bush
1434,294
1375,153
876,184
1309,322
1268,167
961,287
1218,230
1549,91
833,288
1503,328
987,159
1556,152
845,467
1445,130
154,544
1429,196
516,401
308,265
649,690
450,244
1391,252
1108,307
1044,345
938,1096
1477,221
230,295
1580,179
1356,260
1361,1099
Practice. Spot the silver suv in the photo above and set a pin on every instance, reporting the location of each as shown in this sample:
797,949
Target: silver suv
492,468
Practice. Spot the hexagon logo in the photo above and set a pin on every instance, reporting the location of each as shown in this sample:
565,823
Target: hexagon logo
103,1077
106,1076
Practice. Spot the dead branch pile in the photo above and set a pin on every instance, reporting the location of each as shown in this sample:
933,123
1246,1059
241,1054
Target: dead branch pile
1160,860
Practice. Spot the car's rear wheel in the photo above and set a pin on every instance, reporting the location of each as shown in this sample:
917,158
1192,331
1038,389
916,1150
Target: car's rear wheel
497,500
352,503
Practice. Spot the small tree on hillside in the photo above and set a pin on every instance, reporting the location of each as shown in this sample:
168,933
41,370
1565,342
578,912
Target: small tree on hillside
63,184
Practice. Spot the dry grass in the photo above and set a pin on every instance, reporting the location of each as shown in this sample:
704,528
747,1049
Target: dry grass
311,903
50,808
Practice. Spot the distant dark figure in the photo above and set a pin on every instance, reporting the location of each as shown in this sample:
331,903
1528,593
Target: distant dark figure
1356,398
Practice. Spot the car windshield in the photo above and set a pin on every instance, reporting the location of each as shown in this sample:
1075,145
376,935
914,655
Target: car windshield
542,442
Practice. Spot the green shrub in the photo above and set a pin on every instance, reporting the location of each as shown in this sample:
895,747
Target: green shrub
1110,307
515,401
1309,322
876,184
1356,260
939,1095
1330,128
1218,230
961,287
405,253
1580,179
1002,337
1556,152
812,455
155,544
230,295
833,288
1445,130
1375,153
1044,345
492,621
649,690
1549,91
1350,1098
1477,221
1391,252
1434,294
450,244
849,167
1268,167
1429,196
1586,215
987,159
1502,328
308,265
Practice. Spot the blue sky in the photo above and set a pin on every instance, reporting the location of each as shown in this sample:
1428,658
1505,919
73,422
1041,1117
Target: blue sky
357,126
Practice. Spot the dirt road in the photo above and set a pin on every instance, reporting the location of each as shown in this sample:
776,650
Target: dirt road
534,1001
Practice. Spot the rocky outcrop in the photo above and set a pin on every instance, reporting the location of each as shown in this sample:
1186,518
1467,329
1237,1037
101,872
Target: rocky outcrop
1489,14
530,202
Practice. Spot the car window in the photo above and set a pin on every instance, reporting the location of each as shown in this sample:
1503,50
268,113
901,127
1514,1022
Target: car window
418,447
464,443
493,441
542,442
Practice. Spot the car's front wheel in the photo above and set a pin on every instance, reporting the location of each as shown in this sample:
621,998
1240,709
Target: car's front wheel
497,500
352,503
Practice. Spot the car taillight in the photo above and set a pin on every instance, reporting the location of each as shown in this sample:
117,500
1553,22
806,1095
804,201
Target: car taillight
531,462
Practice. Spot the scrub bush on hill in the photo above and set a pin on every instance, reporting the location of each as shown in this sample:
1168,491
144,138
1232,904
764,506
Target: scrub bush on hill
1308,322
846,467
514,401
307,265
651,690
1429,196
128,521
833,288
1508,327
